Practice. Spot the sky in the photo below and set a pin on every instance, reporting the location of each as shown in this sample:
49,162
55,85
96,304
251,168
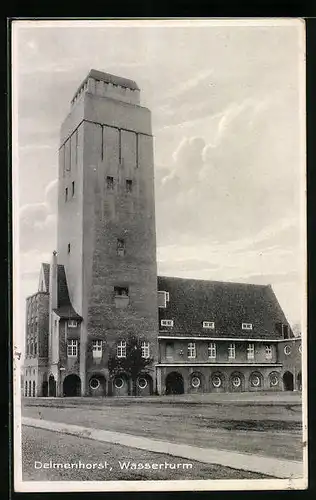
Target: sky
227,102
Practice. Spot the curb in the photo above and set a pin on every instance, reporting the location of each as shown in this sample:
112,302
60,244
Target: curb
277,468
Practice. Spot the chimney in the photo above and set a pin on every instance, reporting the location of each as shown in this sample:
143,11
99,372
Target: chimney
53,293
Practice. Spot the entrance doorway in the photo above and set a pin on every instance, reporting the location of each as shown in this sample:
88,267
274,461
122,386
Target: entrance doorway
51,386
174,383
72,386
45,389
288,381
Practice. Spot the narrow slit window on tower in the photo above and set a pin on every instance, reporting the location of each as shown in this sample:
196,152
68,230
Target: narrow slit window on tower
129,185
73,188
68,248
66,194
120,247
110,182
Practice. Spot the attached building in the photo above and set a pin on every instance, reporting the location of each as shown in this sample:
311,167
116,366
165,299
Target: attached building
200,335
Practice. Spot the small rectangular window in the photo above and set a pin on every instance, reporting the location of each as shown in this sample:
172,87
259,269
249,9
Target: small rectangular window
73,188
163,298
120,247
246,326
68,248
231,351
251,351
72,323
66,194
110,182
72,348
285,331
145,349
191,350
129,185
166,322
169,350
97,348
209,324
121,349
212,350
121,291
35,348
268,352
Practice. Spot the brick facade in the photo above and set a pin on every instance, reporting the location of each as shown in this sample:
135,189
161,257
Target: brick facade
104,286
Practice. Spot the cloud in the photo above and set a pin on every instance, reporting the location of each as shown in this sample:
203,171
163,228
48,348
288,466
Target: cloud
37,224
232,187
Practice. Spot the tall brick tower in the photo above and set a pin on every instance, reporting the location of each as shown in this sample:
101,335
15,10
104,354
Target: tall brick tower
106,225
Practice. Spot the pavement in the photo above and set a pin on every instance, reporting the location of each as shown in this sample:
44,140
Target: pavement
269,466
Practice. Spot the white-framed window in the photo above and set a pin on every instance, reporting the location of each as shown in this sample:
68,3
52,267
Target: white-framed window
236,381
216,381
142,383
97,348
274,379
231,351
195,381
251,351
121,349
72,348
145,349
246,326
119,382
211,349
255,380
163,298
166,322
268,352
72,323
191,350
209,324
287,350
94,383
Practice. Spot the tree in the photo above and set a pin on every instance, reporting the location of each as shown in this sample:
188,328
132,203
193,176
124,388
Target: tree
133,364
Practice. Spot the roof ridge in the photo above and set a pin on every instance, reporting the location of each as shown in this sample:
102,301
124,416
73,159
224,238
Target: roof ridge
214,281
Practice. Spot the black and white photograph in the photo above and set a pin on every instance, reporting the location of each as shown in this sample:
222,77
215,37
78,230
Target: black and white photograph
159,254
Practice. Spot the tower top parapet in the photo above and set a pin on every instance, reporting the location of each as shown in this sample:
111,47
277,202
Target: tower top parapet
108,85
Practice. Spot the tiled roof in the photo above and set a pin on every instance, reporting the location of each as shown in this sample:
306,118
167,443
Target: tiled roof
64,309
228,305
